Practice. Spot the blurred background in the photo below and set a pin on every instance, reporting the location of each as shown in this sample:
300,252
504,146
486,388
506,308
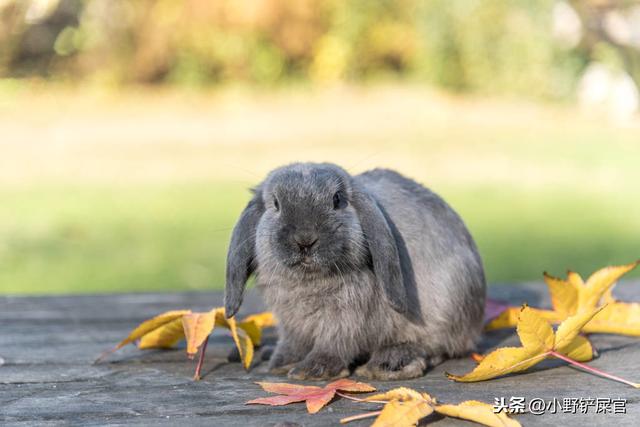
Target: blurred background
131,130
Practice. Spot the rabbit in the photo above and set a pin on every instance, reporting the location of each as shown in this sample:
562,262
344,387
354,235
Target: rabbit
371,272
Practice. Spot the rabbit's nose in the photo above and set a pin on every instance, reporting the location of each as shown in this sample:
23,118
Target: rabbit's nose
305,241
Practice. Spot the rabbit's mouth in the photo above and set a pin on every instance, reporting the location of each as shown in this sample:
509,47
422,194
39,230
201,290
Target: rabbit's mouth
306,263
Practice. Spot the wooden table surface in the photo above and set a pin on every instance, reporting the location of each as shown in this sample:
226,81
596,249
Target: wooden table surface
47,345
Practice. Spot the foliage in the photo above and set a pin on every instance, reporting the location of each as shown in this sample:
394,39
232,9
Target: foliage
575,301
487,46
314,397
167,329
573,295
538,342
403,407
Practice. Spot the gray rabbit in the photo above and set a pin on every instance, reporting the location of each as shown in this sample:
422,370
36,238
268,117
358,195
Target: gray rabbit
373,272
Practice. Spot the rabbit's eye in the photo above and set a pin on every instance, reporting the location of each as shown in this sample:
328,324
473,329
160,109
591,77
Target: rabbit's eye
339,201
276,204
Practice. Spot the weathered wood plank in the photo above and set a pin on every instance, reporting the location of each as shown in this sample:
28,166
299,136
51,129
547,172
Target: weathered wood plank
48,344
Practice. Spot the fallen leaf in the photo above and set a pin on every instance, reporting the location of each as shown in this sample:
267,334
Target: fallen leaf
616,318
568,330
599,282
580,349
315,397
564,294
401,393
477,357
509,318
402,414
240,337
493,308
155,327
538,341
166,336
406,407
573,295
167,329
197,328
608,298
479,412
148,326
255,323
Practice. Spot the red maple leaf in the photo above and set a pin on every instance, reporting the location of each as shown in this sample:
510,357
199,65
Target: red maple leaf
315,397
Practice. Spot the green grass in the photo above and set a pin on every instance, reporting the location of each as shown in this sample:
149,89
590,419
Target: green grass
171,238
521,234
139,192
104,240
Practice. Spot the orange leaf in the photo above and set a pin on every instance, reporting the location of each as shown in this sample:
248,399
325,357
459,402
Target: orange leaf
315,397
197,327
351,386
166,329
477,357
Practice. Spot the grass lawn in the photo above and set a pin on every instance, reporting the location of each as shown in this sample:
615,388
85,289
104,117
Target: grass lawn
139,192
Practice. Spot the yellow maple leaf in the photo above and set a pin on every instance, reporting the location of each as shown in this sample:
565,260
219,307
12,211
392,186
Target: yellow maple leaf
255,323
405,407
402,414
573,295
151,325
509,318
167,329
616,318
241,338
402,394
564,295
480,412
538,341
165,336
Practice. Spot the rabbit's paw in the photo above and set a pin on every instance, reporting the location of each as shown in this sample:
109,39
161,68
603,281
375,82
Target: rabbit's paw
284,357
319,367
280,365
397,362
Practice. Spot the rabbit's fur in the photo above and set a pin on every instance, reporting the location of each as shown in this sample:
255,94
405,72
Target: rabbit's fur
372,269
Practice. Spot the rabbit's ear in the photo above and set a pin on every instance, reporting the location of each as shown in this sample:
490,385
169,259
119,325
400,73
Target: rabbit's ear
383,249
242,253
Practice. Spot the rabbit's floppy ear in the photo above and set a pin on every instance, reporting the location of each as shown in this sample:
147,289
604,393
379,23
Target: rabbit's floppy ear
242,253
383,248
